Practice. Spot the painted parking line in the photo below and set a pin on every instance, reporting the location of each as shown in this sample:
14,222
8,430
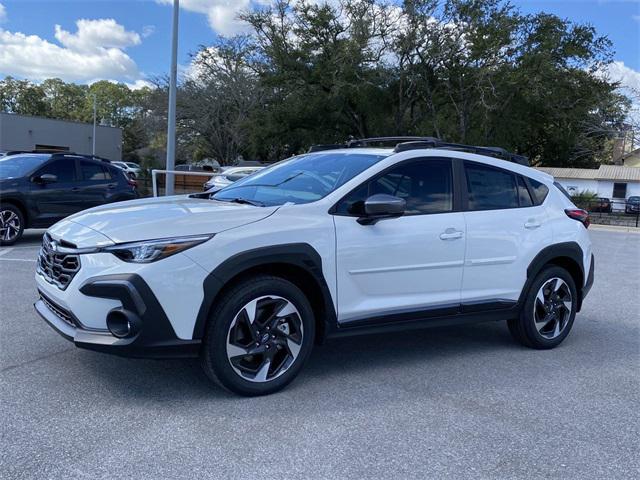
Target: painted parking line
17,260
4,251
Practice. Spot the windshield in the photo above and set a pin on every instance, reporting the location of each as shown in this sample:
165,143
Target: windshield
132,165
301,179
16,166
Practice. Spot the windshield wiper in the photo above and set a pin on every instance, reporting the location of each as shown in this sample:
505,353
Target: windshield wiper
243,201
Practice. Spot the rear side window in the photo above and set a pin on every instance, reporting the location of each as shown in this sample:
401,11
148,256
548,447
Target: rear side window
64,169
93,172
524,197
490,188
540,191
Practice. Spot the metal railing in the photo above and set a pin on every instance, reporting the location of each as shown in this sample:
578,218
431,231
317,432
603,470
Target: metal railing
611,212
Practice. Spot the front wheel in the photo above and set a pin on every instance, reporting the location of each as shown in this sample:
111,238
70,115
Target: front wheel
548,311
259,336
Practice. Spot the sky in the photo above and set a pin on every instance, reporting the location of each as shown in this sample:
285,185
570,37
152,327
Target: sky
129,40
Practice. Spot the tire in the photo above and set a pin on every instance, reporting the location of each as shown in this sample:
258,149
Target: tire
236,347
11,224
547,314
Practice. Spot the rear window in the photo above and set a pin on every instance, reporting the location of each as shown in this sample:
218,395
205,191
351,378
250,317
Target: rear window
562,189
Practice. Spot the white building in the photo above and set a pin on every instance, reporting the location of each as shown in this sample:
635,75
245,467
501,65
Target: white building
609,181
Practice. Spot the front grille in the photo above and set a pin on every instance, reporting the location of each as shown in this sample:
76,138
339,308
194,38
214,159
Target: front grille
62,313
57,268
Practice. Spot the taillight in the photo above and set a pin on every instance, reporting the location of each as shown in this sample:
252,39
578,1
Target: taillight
132,182
580,215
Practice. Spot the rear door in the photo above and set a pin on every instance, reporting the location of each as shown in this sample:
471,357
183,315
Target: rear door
96,184
402,267
506,228
59,199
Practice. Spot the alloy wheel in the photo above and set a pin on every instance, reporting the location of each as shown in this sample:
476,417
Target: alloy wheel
9,225
552,308
264,338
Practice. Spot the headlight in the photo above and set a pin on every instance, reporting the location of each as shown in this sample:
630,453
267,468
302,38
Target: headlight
152,250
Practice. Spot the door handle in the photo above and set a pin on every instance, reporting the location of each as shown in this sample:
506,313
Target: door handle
531,224
451,234
75,189
112,186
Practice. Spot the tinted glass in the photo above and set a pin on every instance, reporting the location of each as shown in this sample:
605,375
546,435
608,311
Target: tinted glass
540,191
301,179
523,193
16,166
490,188
64,169
426,186
92,172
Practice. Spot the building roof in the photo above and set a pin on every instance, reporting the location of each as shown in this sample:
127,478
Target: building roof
605,172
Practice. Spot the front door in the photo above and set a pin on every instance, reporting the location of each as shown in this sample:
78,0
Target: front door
58,199
407,266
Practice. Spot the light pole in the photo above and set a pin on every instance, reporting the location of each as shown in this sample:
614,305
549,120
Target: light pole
93,136
171,123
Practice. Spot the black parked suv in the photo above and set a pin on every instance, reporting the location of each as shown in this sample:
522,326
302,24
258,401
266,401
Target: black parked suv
38,189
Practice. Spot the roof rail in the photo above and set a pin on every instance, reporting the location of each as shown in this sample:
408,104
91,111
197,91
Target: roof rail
402,144
496,152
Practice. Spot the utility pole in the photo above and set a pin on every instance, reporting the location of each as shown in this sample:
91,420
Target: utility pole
171,123
93,136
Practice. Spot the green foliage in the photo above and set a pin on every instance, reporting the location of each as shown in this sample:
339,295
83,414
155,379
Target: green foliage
472,71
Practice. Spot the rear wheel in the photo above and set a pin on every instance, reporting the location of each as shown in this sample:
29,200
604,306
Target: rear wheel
549,310
11,224
258,336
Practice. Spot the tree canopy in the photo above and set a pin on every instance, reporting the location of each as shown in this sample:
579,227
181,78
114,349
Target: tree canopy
469,71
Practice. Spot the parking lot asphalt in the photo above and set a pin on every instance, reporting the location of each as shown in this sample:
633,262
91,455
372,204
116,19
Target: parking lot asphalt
456,402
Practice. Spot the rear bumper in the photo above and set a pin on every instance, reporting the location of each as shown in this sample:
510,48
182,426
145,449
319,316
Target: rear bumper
588,284
155,337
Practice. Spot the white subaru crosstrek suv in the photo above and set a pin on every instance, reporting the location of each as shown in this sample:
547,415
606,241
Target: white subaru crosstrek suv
333,242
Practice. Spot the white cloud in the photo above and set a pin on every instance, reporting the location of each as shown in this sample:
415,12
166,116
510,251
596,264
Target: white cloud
96,35
221,14
629,78
94,51
148,30
3,14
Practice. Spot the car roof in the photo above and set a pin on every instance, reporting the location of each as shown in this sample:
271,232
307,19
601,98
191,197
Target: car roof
439,152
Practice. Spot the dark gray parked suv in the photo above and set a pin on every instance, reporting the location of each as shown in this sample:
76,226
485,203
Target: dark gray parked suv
38,189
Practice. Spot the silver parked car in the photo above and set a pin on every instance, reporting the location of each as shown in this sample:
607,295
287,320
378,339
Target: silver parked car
227,177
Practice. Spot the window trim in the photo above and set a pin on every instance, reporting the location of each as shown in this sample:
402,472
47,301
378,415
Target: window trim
455,182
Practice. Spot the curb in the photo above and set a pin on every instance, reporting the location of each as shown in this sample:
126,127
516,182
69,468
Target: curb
614,228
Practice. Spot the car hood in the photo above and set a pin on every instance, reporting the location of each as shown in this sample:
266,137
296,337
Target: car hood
162,217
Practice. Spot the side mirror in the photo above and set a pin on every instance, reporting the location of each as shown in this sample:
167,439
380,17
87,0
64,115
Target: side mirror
46,178
382,206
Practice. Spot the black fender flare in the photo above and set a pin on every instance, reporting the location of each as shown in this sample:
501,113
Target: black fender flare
570,250
300,255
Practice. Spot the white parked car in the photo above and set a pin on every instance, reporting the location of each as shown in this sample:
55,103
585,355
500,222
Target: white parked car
228,176
337,242
133,169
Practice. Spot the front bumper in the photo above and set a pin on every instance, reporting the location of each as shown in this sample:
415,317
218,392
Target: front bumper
155,337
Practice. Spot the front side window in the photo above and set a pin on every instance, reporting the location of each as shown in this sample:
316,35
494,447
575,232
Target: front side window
490,188
425,185
64,169
302,179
